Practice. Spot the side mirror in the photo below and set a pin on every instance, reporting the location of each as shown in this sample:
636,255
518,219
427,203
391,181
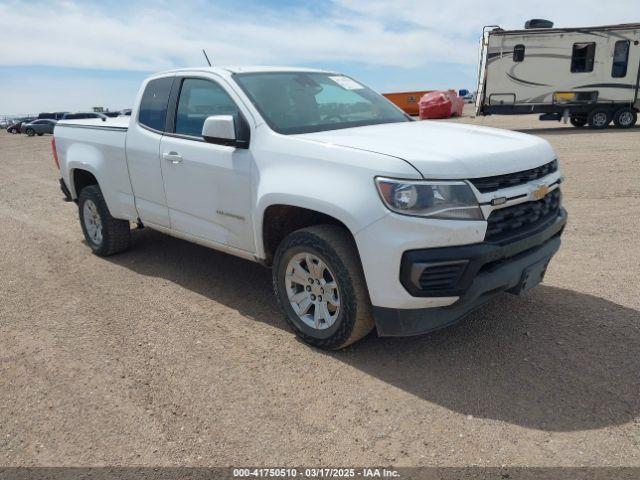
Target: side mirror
220,129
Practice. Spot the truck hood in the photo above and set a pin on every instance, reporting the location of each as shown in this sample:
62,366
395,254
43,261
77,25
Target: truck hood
443,150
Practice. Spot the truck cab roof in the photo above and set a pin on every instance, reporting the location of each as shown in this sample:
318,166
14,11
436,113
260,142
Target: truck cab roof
242,69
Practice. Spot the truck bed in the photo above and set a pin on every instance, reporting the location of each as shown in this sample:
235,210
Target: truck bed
119,123
98,147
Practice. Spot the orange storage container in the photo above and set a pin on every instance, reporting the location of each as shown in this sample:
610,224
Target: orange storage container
407,101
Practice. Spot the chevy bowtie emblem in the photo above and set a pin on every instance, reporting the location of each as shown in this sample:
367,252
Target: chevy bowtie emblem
541,192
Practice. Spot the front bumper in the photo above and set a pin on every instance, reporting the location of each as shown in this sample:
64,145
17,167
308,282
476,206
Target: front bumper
488,269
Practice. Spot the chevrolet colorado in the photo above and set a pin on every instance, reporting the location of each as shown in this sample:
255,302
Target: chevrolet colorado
367,218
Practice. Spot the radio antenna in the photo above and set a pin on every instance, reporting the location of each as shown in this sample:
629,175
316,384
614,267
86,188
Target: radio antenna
206,56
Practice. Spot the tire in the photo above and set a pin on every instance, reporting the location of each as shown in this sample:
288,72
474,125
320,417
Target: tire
40,134
625,118
599,119
115,234
30,132
13,131
333,246
578,121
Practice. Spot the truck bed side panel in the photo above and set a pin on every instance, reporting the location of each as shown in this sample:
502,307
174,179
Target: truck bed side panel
100,151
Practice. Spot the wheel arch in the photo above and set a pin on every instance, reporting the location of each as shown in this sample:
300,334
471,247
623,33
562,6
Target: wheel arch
278,219
81,176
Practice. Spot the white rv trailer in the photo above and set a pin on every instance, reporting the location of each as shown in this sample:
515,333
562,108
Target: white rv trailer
588,75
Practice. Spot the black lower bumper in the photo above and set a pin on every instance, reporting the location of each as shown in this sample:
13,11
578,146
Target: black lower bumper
489,269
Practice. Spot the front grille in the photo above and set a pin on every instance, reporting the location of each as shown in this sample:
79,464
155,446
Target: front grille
441,277
510,221
491,184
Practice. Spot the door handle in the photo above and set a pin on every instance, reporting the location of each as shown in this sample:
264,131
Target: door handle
173,157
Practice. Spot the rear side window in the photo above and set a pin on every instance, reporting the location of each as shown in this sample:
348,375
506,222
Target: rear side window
620,59
198,100
153,106
518,53
583,57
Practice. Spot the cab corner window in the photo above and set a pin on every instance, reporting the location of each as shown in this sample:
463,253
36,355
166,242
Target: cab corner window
198,100
153,106
518,53
620,59
583,56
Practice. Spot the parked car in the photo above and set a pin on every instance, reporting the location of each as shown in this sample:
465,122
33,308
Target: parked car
469,97
38,127
126,112
15,127
81,115
367,217
52,116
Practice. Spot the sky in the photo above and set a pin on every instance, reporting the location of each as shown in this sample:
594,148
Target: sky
64,55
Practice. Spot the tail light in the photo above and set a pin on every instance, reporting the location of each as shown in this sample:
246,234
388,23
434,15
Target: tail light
55,152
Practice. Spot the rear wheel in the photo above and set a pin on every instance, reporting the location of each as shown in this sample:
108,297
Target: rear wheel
319,283
625,118
30,132
104,234
578,121
599,119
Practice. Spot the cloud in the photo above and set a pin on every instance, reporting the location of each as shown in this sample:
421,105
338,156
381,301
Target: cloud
391,45
402,33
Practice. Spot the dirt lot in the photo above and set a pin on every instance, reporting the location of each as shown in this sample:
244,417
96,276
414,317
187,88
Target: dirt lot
172,354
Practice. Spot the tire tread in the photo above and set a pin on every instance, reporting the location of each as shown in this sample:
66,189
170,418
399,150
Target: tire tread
116,233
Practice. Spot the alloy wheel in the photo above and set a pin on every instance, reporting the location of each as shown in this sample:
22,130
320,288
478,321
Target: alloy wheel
600,119
312,291
92,221
625,119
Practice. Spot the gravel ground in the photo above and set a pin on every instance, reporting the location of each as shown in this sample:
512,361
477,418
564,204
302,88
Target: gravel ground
172,354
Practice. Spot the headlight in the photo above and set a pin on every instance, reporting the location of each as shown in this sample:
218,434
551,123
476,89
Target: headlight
434,199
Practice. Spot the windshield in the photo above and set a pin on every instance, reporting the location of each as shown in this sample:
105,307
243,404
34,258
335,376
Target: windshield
302,102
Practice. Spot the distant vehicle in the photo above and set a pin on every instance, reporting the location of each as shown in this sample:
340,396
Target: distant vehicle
125,113
111,114
589,75
38,127
83,115
15,126
52,116
470,97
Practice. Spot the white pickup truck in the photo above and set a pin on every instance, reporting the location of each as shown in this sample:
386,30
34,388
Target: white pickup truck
367,218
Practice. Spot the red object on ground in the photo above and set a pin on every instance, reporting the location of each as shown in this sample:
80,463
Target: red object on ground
441,104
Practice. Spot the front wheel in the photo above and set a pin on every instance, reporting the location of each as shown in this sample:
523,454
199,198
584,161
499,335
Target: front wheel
104,234
30,132
13,131
319,284
625,118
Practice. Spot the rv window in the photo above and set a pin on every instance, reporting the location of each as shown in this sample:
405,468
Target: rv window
620,59
518,53
583,56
